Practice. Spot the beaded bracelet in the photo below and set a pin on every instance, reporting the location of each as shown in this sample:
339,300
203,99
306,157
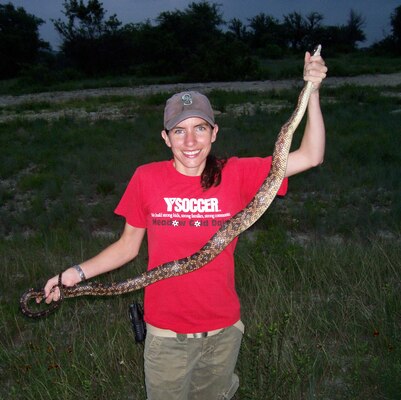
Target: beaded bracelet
80,272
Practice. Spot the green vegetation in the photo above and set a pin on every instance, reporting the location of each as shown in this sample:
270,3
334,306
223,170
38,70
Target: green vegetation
318,276
285,68
194,44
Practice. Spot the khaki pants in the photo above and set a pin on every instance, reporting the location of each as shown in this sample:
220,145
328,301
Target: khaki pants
184,368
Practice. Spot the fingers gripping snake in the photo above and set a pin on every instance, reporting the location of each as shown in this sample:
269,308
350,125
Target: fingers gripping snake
227,232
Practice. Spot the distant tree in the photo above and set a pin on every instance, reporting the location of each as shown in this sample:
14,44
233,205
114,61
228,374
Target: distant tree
20,44
229,60
91,42
205,15
395,20
391,44
155,50
263,25
314,30
313,20
238,29
353,32
343,38
85,21
331,37
296,30
198,23
191,43
303,33
267,35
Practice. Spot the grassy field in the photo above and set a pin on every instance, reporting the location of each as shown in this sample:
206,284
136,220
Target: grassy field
270,69
319,275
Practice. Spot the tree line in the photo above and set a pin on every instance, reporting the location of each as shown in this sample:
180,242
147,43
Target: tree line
195,43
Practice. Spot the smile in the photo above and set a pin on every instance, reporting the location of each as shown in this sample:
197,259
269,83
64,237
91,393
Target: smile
192,153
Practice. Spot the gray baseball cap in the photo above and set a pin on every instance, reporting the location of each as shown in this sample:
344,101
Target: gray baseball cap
186,105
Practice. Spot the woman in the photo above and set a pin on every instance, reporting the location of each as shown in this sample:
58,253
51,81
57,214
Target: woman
193,321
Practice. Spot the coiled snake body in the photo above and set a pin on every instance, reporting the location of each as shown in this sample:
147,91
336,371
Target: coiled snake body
227,232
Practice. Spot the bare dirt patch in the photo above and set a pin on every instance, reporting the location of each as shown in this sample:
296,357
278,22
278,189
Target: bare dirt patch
362,80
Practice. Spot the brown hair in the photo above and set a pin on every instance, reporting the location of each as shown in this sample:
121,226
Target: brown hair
211,175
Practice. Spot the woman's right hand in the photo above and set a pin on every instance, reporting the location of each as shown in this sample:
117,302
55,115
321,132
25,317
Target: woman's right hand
70,277
118,253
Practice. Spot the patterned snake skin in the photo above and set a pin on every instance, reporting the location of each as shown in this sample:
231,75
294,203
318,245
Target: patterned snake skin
228,231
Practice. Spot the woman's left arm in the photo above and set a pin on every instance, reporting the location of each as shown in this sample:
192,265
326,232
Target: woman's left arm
311,151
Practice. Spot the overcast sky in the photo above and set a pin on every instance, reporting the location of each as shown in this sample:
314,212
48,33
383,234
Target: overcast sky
376,12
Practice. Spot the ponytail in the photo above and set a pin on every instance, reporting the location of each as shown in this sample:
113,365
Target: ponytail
211,175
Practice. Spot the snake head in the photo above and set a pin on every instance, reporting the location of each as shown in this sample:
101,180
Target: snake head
317,49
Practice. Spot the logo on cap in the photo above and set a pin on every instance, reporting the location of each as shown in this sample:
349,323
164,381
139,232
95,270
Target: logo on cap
186,99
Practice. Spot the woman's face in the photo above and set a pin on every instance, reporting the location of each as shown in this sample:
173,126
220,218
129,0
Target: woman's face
191,141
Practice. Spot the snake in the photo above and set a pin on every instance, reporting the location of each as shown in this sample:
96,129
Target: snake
229,230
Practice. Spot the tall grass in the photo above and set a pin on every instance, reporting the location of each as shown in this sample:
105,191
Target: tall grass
318,275
322,322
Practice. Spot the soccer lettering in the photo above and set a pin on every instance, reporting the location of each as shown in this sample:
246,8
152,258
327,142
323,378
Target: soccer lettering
177,204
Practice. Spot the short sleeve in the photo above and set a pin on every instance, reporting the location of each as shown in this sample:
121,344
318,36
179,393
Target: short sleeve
132,205
254,171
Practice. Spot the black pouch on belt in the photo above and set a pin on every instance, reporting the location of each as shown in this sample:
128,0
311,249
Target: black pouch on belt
137,321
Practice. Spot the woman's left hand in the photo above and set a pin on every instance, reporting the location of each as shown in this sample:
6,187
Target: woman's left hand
315,70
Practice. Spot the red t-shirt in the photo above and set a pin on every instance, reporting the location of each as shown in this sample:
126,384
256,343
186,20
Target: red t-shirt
180,217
